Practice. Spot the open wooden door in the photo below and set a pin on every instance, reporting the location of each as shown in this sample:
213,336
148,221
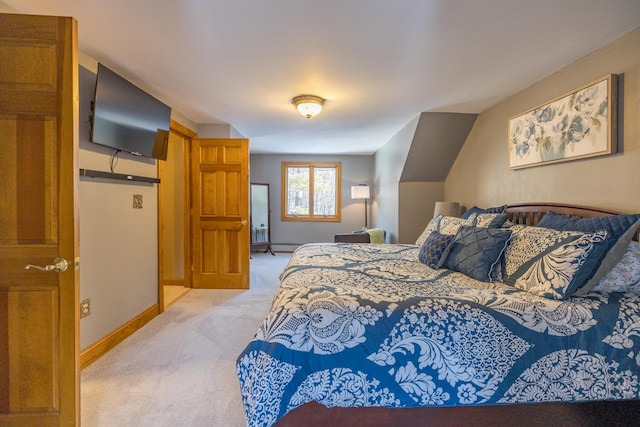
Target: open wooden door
39,310
220,218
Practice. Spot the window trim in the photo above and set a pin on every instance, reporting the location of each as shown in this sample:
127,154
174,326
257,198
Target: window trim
311,217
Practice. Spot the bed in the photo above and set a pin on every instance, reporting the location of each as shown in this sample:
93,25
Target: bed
385,335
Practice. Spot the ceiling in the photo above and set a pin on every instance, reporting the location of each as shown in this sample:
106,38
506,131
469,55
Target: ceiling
378,63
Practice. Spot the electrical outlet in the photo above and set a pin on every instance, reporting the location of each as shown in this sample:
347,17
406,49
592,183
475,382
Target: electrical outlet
137,201
85,308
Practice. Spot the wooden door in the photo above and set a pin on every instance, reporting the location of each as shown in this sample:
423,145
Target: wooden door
220,219
39,310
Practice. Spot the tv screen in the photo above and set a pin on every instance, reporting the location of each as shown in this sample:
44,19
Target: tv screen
127,118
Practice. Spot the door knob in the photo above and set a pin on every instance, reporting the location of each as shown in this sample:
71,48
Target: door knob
59,265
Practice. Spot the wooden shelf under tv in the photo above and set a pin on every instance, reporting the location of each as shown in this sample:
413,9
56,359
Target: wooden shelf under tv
118,176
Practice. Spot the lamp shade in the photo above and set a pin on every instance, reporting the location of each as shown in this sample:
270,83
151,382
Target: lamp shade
447,209
308,105
360,192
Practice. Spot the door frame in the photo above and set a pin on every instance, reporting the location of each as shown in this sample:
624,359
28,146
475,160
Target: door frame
187,135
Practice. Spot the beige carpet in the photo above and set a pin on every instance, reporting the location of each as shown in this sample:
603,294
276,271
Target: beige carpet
179,369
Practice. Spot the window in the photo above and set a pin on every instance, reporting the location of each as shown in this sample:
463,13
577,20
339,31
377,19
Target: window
310,191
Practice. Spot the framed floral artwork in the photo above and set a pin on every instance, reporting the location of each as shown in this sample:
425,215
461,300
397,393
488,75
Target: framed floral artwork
576,125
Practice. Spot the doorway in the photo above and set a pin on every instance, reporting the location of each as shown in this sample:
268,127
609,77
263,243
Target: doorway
174,217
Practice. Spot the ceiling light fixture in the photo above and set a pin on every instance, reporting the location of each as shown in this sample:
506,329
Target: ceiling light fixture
308,105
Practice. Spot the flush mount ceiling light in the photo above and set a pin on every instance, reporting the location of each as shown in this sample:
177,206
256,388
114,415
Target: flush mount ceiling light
308,105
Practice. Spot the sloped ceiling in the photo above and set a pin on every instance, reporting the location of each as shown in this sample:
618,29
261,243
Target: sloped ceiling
435,146
378,63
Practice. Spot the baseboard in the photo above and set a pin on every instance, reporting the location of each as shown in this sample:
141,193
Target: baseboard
173,282
285,247
102,346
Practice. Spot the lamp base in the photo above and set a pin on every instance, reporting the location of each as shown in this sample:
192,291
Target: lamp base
365,215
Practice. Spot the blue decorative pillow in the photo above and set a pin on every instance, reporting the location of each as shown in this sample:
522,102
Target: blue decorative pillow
620,230
549,263
435,249
477,210
476,251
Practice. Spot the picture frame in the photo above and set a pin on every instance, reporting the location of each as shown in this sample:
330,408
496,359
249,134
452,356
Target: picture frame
577,125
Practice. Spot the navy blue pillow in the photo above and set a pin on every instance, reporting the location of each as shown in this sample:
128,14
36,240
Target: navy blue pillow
476,251
435,248
620,230
477,210
615,225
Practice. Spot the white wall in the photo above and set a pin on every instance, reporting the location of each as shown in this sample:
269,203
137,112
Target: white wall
388,163
418,200
5,8
118,244
215,131
481,173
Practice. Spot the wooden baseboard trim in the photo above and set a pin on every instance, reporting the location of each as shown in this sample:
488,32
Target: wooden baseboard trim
173,282
101,347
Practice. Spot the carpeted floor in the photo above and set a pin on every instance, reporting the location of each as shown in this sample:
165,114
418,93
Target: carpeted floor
179,369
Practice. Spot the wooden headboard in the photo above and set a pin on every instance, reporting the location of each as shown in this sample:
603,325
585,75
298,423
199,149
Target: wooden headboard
531,213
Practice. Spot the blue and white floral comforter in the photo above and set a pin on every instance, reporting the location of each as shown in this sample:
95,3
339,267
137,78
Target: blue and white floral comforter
369,325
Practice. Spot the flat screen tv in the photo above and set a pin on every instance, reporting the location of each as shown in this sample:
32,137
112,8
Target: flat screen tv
127,118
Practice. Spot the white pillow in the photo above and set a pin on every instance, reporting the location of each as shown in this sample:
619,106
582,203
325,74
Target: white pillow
444,225
625,275
431,226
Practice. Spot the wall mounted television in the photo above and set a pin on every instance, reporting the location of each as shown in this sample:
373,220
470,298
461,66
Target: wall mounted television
127,118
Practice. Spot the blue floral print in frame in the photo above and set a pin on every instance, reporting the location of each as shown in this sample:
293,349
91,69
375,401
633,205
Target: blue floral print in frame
574,126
